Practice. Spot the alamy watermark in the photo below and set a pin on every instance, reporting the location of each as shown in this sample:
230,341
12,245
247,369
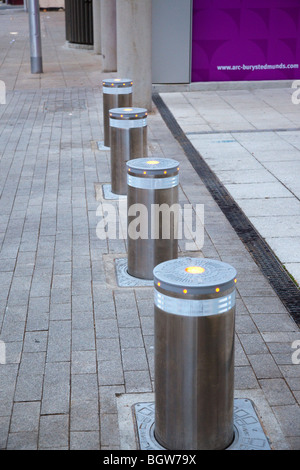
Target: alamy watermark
296,353
159,221
296,93
2,92
2,352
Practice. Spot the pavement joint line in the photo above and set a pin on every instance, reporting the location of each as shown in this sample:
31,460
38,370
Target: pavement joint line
264,257
244,131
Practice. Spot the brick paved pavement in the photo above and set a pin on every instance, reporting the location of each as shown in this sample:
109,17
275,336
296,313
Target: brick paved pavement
74,339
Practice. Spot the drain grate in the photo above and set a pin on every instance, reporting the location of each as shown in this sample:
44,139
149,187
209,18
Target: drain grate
55,106
248,432
282,284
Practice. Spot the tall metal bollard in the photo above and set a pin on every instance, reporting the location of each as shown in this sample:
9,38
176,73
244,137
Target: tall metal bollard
152,192
194,354
128,140
117,93
36,60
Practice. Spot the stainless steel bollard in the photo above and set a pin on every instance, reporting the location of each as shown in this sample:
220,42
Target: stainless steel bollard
152,193
194,354
128,140
117,93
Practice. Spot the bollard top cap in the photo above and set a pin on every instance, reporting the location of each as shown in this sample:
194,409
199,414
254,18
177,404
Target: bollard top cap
195,277
117,82
128,113
152,166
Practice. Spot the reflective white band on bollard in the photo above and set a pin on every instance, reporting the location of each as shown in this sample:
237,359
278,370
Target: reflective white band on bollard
194,308
128,124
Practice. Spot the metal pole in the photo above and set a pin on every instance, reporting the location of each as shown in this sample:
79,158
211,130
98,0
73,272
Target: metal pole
25,5
35,37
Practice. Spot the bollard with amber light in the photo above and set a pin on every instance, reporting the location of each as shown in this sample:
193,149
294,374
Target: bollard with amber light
117,93
194,354
152,201
128,140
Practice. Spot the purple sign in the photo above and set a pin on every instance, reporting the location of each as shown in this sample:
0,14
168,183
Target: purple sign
245,40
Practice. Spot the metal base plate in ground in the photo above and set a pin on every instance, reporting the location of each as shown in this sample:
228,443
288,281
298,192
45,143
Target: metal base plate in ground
249,434
101,146
108,194
126,280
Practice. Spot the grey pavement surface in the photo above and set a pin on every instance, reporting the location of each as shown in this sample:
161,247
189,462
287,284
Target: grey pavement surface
79,348
251,140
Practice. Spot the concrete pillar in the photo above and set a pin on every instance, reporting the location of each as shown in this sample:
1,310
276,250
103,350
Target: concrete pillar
108,36
134,38
97,26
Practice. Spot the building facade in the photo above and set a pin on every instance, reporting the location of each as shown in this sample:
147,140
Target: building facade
225,40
